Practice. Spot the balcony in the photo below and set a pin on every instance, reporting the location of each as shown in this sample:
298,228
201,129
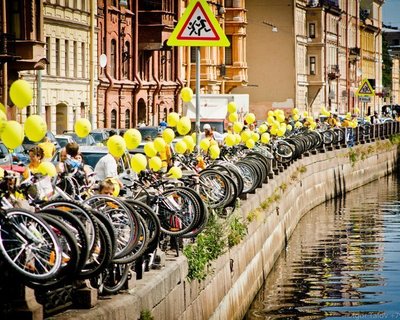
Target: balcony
354,54
330,5
155,27
7,48
333,72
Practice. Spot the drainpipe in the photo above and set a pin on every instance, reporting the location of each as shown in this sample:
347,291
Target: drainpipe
5,69
325,66
156,90
135,65
91,66
379,70
337,60
110,79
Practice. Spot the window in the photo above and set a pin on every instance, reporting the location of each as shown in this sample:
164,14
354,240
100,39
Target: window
113,119
66,58
126,55
15,23
58,57
228,52
312,65
127,119
144,65
75,59
150,5
48,50
113,58
228,3
83,53
311,30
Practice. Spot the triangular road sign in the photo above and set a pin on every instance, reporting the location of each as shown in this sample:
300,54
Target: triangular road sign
198,27
365,89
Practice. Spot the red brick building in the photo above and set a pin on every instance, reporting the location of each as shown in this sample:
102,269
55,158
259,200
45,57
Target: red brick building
141,80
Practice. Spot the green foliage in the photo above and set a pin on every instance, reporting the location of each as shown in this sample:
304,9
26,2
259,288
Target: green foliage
209,245
146,315
395,139
302,169
238,231
352,157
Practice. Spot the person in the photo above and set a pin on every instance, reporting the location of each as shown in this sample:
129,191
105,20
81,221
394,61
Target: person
48,147
106,187
332,120
67,162
375,118
85,168
210,134
165,156
107,167
35,155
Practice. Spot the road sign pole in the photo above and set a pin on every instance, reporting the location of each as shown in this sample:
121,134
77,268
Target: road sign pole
198,100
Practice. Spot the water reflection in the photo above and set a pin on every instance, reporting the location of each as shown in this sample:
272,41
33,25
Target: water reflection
342,261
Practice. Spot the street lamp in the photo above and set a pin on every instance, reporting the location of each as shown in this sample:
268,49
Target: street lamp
274,27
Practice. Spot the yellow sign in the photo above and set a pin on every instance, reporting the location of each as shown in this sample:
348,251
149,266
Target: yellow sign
198,27
365,89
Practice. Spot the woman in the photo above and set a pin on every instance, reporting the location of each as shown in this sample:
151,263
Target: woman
35,155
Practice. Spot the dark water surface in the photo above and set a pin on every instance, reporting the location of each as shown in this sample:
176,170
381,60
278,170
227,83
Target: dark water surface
342,261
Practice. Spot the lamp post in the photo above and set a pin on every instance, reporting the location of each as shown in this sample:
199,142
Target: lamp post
274,27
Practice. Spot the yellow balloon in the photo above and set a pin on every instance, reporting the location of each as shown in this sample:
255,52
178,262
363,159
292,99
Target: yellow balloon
289,127
238,138
305,114
295,111
255,136
183,126
233,117
263,128
116,145
270,113
21,93
245,135
168,135
150,150
296,117
82,127
35,128
132,138
250,143
214,151
280,117
3,121
159,144
13,134
232,107
204,144
47,168
186,94
138,162
155,163
230,140
188,139
172,119
175,172
250,118
180,147
238,127
265,137
117,187
3,108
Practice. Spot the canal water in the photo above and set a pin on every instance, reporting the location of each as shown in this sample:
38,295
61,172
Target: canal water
342,261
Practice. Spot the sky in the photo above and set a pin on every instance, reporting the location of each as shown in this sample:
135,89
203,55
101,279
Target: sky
391,12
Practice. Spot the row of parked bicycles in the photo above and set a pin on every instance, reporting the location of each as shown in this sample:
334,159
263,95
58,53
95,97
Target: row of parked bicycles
77,234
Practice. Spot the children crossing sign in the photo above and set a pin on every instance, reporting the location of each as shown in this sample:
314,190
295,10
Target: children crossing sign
365,89
198,27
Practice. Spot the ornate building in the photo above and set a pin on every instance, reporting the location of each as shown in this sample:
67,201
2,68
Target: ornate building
21,44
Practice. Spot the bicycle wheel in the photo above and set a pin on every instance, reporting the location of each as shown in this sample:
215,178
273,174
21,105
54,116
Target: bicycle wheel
214,188
177,211
29,246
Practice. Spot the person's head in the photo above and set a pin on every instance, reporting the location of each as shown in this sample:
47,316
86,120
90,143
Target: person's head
252,126
63,154
229,127
79,157
207,127
72,149
36,154
106,187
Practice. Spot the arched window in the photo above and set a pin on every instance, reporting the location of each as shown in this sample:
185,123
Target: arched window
113,62
114,119
127,119
126,56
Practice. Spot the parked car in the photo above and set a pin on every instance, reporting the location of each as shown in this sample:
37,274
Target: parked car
15,161
28,144
63,139
86,141
149,132
100,136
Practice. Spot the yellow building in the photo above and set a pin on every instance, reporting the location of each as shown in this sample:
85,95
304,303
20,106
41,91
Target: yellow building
70,75
396,80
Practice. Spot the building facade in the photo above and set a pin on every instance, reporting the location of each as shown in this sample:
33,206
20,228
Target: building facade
22,45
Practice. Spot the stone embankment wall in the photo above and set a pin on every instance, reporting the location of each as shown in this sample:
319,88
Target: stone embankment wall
274,211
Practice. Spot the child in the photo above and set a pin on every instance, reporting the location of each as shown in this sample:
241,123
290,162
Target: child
106,187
